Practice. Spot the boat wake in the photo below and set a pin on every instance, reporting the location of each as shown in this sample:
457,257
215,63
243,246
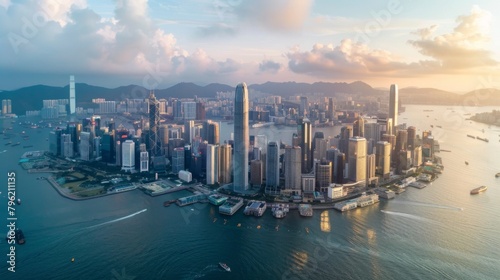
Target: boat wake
206,270
406,215
409,202
119,219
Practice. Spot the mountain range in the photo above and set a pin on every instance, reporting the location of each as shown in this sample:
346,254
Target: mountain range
30,98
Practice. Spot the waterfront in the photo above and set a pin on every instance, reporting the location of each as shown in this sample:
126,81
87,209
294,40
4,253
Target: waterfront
437,232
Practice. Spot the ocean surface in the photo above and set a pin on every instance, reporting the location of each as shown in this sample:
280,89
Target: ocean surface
440,232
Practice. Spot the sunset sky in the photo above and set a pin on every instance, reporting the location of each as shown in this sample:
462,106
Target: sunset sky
450,45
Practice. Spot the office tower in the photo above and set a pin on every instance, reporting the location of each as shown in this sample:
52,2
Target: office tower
144,158
383,159
318,135
241,138
401,140
200,111
292,168
213,133
212,164
188,131
85,147
66,145
189,110
372,131
256,172
358,127
225,165
188,154
72,97
323,175
331,109
55,141
357,159
412,134
417,156
118,155
392,140
339,168
304,106
304,132
272,167
96,147
393,105
404,161
128,155
371,168
178,160
154,126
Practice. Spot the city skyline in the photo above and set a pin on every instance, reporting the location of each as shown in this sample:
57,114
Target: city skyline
157,45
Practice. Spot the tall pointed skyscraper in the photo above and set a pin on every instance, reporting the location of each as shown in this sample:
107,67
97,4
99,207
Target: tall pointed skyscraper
241,138
72,98
393,106
154,126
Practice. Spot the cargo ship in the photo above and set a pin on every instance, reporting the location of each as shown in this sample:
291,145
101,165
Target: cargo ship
479,190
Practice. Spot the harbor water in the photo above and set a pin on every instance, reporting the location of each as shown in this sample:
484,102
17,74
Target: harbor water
439,232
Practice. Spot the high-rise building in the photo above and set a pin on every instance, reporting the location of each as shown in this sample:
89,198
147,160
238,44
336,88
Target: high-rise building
72,97
412,134
154,126
6,106
85,145
225,165
358,127
272,168
372,131
188,131
323,175
178,160
304,132
241,138
401,140
357,159
144,158
256,172
383,159
292,168
331,109
304,106
212,164
189,110
66,145
393,105
213,133
371,168
339,168
128,155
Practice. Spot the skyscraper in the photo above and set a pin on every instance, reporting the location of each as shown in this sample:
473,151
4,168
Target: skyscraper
305,134
358,127
128,155
292,168
393,105
241,138
72,97
383,159
212,164
272,167
331,109
225,164
154,126
357,159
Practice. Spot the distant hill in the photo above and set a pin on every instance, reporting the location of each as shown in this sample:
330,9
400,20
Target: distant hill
30,98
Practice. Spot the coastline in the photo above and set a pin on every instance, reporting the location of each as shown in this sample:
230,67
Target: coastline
61,191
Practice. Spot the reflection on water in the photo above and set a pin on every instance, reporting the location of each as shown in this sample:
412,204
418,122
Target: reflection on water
325,222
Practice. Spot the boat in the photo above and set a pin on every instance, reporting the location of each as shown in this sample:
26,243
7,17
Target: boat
16,144
497,175
168,202
225,267
466,163
479,190
18,201
471,136
279,210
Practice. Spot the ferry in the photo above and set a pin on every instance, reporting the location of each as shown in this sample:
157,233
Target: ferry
479,190
255,208
279,210
225,267
366,200
305,210
257,125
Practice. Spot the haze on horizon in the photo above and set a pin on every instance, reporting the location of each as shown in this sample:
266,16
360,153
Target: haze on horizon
155,44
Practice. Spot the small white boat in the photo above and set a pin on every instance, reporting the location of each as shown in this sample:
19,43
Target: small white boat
225,267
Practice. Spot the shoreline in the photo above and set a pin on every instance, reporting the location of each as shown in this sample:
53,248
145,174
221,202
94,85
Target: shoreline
61,191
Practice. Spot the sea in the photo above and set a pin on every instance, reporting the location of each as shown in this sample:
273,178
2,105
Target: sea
439,232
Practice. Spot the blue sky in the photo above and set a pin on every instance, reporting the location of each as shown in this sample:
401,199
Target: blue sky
450,45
